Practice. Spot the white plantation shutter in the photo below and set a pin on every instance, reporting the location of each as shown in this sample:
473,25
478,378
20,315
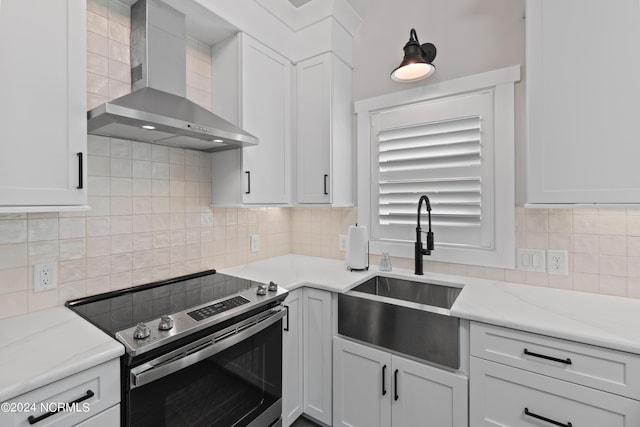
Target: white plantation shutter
441,148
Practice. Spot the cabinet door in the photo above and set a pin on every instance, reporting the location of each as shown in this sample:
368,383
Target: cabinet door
266,113
582,101
313,138
43,115
317,354
506,396
108,418
362,390
426,396
292,397
323,131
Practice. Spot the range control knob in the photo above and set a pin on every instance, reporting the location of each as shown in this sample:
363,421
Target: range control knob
166,323
142,331
262,290
273,286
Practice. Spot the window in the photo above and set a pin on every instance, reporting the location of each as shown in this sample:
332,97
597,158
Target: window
456,146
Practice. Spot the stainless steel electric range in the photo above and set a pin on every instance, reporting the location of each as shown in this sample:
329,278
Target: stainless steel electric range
201,350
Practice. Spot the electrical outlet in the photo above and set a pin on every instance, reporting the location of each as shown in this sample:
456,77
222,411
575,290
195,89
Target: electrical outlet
342,241
45,277
557,262
531,260
255,242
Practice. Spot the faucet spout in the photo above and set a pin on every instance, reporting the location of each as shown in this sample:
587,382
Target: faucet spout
419,249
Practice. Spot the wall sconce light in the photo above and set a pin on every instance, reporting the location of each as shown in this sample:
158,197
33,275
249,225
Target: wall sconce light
417,62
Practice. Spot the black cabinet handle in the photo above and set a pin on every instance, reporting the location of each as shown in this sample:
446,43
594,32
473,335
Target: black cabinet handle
325,184
248,182
566,361
79,187
384,386
395,385
286,328
32,420
545,419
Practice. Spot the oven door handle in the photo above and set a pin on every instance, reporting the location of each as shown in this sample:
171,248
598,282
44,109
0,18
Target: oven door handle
151,371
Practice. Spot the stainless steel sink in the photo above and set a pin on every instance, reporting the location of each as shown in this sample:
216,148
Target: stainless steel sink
405,316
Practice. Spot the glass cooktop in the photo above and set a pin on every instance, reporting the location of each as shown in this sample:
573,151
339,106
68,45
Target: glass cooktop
118,310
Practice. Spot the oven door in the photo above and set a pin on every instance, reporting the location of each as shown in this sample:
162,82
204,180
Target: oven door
230,378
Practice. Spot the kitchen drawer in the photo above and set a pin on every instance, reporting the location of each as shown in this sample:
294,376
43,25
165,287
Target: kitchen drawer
108,418
604,369
501,395
102,381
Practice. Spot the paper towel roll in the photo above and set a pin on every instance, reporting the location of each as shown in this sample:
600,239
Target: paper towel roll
357,248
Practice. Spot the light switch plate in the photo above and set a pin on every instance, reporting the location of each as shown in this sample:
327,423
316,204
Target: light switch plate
531,260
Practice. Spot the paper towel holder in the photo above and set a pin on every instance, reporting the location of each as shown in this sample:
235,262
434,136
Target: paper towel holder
368,262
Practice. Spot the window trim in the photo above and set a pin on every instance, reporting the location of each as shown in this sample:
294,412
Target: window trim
501,82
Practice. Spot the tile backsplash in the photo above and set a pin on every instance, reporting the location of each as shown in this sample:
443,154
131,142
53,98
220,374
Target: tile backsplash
151,218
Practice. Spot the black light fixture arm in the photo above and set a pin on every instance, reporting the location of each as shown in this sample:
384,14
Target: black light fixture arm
419,250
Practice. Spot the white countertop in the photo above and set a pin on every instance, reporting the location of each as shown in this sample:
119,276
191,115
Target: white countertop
601,320
45,346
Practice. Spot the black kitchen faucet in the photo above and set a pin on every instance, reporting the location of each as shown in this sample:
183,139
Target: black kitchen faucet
419,250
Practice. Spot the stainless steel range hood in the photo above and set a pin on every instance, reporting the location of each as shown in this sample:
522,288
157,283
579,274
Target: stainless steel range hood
157,110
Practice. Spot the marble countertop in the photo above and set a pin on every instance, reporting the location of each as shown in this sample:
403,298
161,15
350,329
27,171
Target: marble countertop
45,346
600,320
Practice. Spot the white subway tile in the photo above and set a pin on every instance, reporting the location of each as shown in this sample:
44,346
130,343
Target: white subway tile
98,226
613,285
586,243
141,150
14,280
613,245
14,304
121,263
118,88
97,44
161,239
13,231
97,64
119,33
161,257
119,71
141,277
141,169
161,222
98,246
142,241
98,285
160,153
121,148
142,223
97,84
121,280
160,171
99,186
141,187
121,187
142,259
98,6
98,145
72,290
43,252
613,265
99,166
71,228
42,300
72,249
142,205
118,51
121,206
585,224
586,263
121,244
160,205
98,266
121,168
42,229
160,188
71,271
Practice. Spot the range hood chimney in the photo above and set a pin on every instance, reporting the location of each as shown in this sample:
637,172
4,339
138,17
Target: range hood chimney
157,110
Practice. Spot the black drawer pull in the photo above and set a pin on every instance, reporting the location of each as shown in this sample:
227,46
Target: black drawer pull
79,187
545,419
32,420
395,385
384,374
566,361
286,328
248,182
325,184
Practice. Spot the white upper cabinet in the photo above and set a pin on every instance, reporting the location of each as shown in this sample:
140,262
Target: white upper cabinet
43,115
323,131
252,88
582,101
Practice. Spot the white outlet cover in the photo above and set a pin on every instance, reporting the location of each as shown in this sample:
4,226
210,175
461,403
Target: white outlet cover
255,242
557,262
45,277
342,242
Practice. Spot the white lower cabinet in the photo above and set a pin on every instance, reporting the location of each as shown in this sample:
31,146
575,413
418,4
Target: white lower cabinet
317,331
506,396
88,398
306,356
521,379
373,388
292,359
